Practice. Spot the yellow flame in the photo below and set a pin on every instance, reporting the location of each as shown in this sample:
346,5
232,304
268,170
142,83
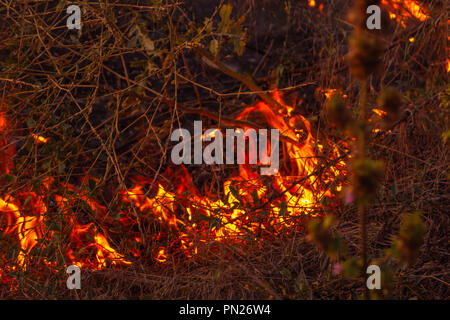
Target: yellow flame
39,139
403,9
105,250
379,112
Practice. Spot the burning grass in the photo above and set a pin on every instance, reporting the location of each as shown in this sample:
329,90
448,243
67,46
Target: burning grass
85,123
248,208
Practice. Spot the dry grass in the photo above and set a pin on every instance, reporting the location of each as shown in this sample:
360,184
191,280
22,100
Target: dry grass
77,91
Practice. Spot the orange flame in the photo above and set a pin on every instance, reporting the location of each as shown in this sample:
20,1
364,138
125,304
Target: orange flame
401,10
39,139
186,219
28,227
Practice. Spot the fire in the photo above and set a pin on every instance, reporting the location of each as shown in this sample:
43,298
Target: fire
448,50
7,149
401,10
39,139
379,112
161,257
312,4
329,92
105,250
184,218
26,227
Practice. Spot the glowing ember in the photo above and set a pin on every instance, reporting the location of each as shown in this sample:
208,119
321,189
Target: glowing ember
448,50
161,257
39,139
329,92
312,4
379,112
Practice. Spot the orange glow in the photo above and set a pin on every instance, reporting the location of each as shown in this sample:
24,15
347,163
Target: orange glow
401,10
329,92
27,228
379,112
7,149
161,257
448,50
234,222
2,121
39,139
104,250
183,218
104,253
313,3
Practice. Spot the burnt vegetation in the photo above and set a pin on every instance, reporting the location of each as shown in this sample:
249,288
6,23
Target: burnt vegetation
86,176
